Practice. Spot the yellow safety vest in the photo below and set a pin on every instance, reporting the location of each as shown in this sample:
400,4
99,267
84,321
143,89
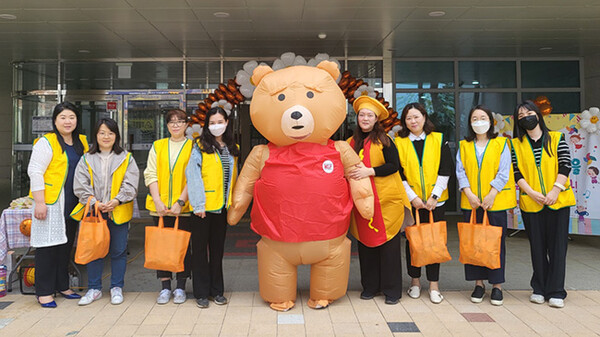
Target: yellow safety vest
392,200
57,170
422,178
480,175
212,176
171,180
123,212
541,178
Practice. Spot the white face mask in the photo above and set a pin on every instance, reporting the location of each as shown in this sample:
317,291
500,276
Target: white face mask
481,127
217,129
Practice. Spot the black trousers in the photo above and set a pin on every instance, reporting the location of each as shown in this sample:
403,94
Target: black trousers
494,276
433,270
381,268
184,224
548,233
52,263
208,247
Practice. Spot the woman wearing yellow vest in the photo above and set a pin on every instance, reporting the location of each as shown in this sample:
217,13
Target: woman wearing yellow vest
211,173
51,170
426,168
485,178
542,163
110,176
379,248
165,177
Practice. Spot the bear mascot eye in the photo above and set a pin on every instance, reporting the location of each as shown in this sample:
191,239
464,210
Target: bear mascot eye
281,97
310,94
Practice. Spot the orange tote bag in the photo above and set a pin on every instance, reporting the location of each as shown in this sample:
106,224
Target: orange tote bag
427,242
165,248
480,243
93,240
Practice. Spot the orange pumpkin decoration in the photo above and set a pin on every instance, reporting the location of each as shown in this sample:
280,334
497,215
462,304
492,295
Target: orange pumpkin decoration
545,109
25,227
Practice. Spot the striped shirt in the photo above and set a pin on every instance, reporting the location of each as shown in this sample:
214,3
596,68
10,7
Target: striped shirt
563,152
224,154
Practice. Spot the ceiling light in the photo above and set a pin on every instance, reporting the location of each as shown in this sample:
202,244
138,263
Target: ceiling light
221,15
546,48
83,51
322,36
8,16
475,82
436,14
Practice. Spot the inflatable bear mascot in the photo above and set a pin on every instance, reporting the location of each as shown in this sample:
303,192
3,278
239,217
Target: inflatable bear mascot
302,200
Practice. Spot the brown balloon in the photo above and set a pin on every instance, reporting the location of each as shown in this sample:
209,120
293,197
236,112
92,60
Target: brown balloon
351,100
346,74
387,122
351,82
213,97
396,122
239,96
541,100
351,93
195,119
343,83
359,83
202,107
220,95
394,114
208,101
230,97
381,100
223,88
545,109
386,104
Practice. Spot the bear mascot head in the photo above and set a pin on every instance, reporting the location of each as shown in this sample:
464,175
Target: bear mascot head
297,104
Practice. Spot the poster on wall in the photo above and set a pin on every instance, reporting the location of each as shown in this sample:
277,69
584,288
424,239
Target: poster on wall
584,142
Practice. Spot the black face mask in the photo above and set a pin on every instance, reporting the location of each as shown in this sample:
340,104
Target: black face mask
528,122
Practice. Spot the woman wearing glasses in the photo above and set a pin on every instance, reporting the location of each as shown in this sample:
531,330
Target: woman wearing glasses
165,177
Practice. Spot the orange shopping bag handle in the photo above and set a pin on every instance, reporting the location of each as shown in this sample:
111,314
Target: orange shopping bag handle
418,218
87,209
486,220
161,223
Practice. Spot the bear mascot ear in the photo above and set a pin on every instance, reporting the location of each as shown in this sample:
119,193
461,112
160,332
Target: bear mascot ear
260,72
329,67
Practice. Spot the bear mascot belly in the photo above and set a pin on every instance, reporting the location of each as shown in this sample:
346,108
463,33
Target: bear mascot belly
302,200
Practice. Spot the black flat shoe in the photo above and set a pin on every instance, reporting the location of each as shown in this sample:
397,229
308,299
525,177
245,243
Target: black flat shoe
478,294
391,300
365,295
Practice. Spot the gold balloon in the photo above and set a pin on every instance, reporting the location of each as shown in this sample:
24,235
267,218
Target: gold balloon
541,100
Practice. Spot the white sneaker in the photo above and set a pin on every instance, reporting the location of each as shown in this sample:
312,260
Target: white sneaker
116,295
538,299
556,302
179,296
90,296
164,296
414,291
435,296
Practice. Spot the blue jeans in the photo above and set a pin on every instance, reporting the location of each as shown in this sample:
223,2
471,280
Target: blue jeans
118,258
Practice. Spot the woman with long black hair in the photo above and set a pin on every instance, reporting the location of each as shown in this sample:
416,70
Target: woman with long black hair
211,174
542,163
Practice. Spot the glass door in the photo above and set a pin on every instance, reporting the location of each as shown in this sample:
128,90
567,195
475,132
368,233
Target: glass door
145,116
94,107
